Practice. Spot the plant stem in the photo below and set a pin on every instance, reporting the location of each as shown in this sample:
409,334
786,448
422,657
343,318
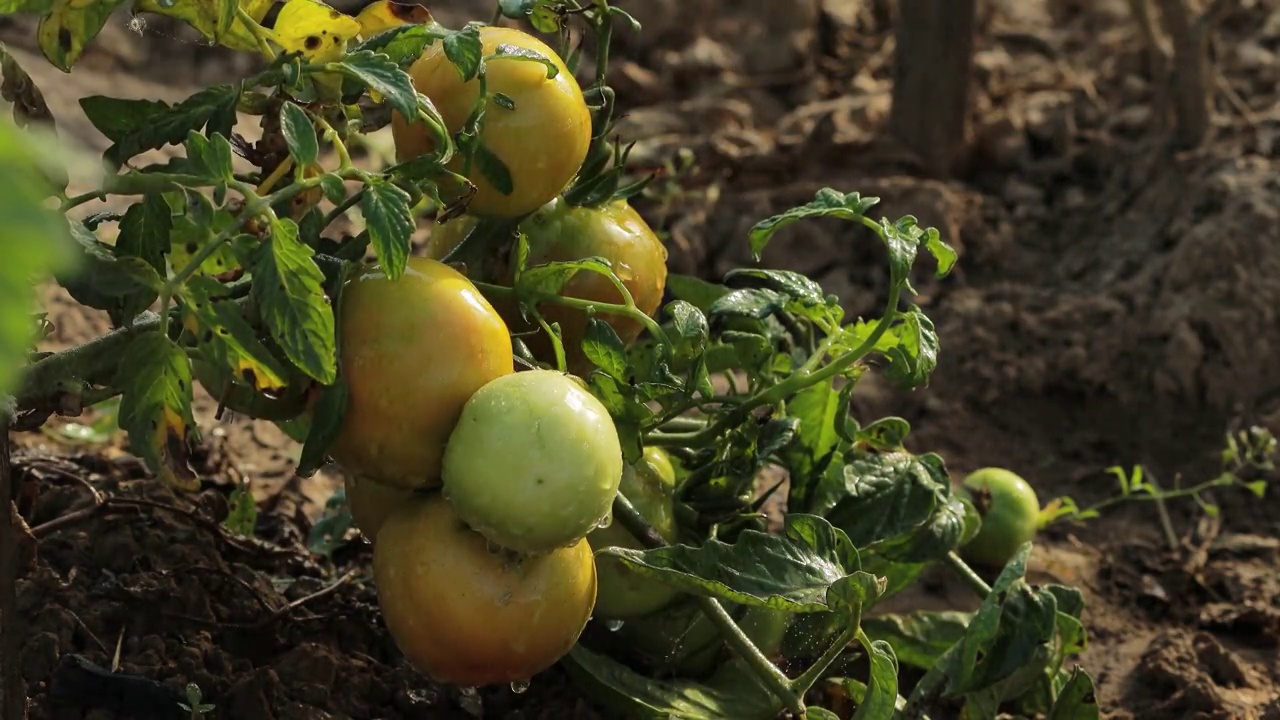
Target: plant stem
258,33
81,199
764,670
347,203
93,363
809,677
14,702
627,310
966,573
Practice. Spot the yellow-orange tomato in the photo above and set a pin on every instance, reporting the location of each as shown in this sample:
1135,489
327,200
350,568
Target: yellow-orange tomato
559,232
370,502
413,352
467,615
542,140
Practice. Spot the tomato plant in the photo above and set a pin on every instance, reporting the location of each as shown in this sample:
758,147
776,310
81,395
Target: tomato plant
231,266
470,615
534,462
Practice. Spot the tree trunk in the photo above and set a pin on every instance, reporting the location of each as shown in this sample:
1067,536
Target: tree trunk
1189,80
933,58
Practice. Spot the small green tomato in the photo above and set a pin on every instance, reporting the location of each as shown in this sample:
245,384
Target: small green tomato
534,462
623,593
1010,514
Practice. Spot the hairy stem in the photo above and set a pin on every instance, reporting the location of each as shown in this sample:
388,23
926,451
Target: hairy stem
809,677
966,573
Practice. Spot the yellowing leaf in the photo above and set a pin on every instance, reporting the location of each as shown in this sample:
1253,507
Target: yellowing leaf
204,16
385,14
314,29
64,33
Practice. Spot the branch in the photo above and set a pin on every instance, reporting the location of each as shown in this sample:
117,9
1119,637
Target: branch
14,701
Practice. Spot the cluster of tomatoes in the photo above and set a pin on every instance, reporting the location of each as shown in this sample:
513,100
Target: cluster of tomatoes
484,488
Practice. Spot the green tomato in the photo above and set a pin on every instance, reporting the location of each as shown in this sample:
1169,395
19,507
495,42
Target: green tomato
534,462
1010,515
766,627
622,592
678,639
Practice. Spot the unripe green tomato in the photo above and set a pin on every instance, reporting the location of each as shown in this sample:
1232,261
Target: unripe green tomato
534,462
679,639
622,592
766,627
1010,515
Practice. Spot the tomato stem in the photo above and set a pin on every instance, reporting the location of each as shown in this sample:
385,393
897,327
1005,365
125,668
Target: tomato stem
768,673
258,32
967,574
814,673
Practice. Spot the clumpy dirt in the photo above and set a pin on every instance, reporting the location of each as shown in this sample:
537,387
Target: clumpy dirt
1116,303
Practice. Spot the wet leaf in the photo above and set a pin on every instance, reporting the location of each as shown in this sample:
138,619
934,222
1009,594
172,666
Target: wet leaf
812,567
287,288
548,279
403,44
209,157
697,292
877,498
602,346
155,406
756,303
465,50
791,284
389,219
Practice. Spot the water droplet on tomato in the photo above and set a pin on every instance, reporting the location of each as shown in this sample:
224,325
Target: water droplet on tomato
613,625
520,687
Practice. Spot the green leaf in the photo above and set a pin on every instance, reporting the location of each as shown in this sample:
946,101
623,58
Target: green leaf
331,408
403,44
145,232
885,435
788,283
389,219
520,54
812,567
380,73
135,126
37,241
69,27
921,638
287,288
1078,700
12,7
602,346
209,157
465,50
882,692
123,287
494,170
155,406
242,517
815,409
731,693
755,303
878,498
692,329
299,134
827,203
229,338
214,19
548,279
196,223
697,292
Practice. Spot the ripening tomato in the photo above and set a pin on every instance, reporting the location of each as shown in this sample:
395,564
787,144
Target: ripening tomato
541,135
648,484
1010,514
472,616
559,232
413,352
370,502
534,462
